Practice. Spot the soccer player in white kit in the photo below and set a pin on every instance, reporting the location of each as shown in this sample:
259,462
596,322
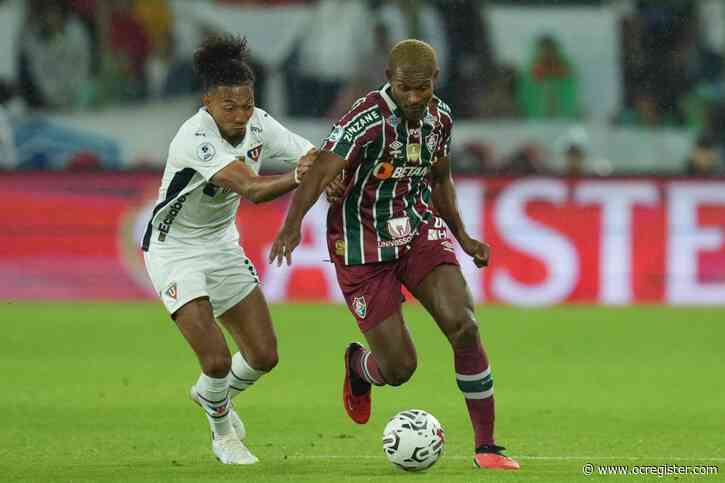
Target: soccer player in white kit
191,245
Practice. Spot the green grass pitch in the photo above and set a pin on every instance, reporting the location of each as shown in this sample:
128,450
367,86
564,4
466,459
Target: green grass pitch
98,392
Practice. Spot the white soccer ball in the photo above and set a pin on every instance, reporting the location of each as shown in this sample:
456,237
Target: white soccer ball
413,440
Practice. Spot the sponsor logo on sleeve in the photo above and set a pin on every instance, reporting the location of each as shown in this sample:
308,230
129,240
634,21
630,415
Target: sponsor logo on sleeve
336,134
205,151
362,122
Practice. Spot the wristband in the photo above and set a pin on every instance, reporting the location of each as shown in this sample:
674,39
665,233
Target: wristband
296,175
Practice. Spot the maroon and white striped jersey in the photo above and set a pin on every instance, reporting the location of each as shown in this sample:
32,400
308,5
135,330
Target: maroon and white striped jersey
387,176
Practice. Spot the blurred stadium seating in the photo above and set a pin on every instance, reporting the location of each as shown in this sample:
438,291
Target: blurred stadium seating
626,89
635,85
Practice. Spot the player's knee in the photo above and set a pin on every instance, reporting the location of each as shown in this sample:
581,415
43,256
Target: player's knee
401,373
217,365
465,331
264,359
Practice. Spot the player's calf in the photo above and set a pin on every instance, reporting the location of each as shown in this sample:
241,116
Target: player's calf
400,373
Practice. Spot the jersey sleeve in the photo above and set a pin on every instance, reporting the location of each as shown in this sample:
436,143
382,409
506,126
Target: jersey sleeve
201,151
282,144
353,131
444,147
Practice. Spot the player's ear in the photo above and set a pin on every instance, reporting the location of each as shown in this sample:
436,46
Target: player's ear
388,75
206,99
435,75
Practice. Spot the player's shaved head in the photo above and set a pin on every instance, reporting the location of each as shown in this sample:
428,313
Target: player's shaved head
412,71
412,54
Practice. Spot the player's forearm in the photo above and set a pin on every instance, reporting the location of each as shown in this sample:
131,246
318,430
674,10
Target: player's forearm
305,196
266,188
444,200
317,178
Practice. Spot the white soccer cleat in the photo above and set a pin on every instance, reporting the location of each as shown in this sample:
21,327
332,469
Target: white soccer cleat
230,451
237,423
234,418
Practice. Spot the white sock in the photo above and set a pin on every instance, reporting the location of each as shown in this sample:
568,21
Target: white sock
242,375
214,396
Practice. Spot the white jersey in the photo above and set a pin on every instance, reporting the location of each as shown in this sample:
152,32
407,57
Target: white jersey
190,209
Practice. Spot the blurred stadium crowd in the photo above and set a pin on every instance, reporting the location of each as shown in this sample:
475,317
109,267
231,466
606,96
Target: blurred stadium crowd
71,57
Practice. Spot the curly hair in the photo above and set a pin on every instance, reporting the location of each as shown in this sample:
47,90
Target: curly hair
221,61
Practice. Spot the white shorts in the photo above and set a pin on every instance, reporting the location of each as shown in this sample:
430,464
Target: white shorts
181,274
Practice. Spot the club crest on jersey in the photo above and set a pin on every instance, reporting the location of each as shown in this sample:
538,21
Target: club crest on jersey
172,291
253,153
359,306
431,143
429,119
399,227
205,151
413,152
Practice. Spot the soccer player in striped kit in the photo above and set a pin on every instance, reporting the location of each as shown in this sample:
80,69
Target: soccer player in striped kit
392,150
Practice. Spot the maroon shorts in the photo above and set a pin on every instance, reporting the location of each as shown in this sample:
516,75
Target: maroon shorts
373,291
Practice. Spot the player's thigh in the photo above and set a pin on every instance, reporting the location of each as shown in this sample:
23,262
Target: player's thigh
372,291
446,296
250,324
196,323
393,348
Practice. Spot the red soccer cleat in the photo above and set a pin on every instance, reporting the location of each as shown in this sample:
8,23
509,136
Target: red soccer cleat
489,456
357,404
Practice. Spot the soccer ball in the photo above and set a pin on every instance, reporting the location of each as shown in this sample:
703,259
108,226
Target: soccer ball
413,440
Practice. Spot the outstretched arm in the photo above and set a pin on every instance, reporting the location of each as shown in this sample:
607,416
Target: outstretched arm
444,200
240,178
327,166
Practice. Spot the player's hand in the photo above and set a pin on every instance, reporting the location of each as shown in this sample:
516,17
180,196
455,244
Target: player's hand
305,163
335,190
287,240
479,251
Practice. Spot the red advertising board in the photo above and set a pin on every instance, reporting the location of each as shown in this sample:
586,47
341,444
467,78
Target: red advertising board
610,241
